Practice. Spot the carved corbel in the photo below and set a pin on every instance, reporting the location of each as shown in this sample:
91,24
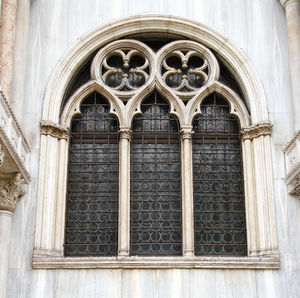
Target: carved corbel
12,189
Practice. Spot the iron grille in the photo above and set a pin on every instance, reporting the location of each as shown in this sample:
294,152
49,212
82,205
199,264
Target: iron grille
92,198
219,211
155,181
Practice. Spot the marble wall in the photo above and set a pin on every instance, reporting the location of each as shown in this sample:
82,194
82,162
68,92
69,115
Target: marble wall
257,27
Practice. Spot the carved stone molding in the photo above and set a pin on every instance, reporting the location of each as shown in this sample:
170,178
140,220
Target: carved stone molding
263,129
285,3
294,184
13,141
11,191
292,165
2,155
54,130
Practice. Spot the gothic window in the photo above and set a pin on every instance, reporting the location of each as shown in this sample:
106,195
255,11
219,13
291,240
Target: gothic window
92,193
155,154
155,219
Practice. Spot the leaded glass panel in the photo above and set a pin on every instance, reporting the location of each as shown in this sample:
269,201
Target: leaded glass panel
155,181
219,208
92,194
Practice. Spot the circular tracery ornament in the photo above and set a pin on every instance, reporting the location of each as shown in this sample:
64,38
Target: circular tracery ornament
124,66
125,70
186,66
185,71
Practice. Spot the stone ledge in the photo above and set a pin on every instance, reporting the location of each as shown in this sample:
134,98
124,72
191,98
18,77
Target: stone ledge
55,262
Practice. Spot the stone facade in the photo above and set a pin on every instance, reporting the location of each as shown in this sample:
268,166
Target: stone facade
45,42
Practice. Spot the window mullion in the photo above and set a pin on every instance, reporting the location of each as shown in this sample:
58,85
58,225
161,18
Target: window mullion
187,192
124,193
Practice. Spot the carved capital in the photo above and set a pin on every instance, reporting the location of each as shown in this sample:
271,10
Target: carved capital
12,189
125,134
186,133
2,155
54,130
263,129
285,3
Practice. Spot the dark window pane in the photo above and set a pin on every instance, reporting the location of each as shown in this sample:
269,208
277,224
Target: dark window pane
92,198
219,211
155,181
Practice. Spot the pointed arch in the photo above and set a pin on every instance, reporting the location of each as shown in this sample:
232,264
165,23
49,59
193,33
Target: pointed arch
231,56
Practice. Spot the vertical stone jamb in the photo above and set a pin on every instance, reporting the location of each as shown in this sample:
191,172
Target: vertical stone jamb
124,193
250,197
187,192
51,189
259,191
7,42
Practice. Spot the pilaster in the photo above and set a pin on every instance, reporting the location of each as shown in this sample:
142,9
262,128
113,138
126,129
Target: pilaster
262,238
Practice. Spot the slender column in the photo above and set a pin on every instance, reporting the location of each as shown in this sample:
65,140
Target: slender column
12,188
292,11
7,42
124,193
187,192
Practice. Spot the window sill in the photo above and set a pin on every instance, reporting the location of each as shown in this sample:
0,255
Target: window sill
130,262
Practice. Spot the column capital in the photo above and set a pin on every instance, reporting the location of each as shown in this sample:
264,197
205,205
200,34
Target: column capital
12,189
186,133
125,133
285,3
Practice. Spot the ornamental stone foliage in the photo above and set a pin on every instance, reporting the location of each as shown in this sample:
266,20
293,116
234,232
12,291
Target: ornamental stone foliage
11,191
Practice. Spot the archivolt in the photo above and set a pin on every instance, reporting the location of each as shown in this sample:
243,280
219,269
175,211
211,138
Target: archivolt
230,55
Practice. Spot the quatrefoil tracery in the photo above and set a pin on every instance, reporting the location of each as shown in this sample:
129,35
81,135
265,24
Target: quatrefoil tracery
125,70
127,67
185,71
